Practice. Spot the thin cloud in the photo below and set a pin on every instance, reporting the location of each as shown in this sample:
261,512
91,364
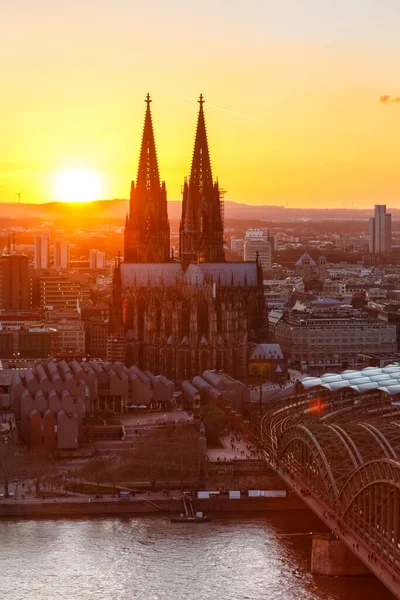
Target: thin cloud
389,100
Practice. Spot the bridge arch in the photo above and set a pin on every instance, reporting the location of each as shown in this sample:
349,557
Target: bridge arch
352,449
369,503
300,451
347,443
380,439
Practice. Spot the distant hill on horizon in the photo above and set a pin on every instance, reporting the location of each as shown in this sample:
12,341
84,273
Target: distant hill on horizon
115,210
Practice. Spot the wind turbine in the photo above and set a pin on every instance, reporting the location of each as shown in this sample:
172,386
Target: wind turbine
19,194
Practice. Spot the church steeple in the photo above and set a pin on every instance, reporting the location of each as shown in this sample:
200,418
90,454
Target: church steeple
148,175
147,235
201,228
201,174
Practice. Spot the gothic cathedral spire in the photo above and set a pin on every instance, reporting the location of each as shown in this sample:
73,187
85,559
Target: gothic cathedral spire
201,175
201,228
148,175
147,235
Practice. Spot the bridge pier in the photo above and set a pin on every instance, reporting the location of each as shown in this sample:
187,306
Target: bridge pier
331,557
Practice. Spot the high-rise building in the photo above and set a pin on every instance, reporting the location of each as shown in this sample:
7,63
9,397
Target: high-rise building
237,245
96,335
42,251
380,231
61,254
256,244
14,282
97,259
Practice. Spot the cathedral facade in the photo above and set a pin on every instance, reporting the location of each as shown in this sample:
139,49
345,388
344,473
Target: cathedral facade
182,315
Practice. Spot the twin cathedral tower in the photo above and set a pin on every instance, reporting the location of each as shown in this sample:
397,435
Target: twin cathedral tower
147,234
178,316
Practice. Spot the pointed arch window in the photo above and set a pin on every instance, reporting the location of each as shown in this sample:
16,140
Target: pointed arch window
203,224
202,317
185,316
141,312
149,223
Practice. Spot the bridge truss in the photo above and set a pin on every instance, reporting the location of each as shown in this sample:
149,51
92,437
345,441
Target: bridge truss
341,452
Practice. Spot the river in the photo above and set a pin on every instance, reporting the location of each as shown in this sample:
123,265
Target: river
148,558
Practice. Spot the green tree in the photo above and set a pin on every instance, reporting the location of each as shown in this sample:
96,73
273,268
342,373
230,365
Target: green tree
215,424
10,467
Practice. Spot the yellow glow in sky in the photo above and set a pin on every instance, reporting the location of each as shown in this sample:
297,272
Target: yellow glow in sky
77,185
291,91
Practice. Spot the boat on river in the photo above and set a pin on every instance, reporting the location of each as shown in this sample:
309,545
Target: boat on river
195,519
190,516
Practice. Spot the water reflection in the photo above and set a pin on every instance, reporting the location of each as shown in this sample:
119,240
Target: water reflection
152,559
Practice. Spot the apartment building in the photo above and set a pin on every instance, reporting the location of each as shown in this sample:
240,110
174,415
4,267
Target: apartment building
97,259
41,251
61,254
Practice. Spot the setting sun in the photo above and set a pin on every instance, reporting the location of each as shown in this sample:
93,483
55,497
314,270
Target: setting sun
77,185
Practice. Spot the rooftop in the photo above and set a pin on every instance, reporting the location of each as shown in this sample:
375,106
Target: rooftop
386,379
306,257
171,274
266,351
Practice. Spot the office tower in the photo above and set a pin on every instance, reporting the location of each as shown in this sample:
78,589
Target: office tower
64,291
257,244
42,251
237,245
14,282
97,259
61,254
380,231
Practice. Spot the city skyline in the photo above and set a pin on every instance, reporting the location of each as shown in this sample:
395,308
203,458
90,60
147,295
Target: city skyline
200,299
300,100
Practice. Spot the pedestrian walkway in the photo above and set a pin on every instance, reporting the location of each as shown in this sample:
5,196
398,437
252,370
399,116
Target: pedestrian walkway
234,448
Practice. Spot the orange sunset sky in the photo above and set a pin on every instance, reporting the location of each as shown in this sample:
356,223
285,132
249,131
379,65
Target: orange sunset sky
303,77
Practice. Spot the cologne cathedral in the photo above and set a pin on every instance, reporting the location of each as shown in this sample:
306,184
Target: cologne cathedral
181,315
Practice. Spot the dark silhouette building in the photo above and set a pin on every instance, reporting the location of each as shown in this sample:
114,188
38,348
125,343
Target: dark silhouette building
14,282
201,229
147,225
182,316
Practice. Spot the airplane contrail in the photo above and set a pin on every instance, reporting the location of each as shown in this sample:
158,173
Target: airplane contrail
185,97
237,114
231,112
227,110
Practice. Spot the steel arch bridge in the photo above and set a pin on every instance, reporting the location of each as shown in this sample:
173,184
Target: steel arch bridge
341,453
